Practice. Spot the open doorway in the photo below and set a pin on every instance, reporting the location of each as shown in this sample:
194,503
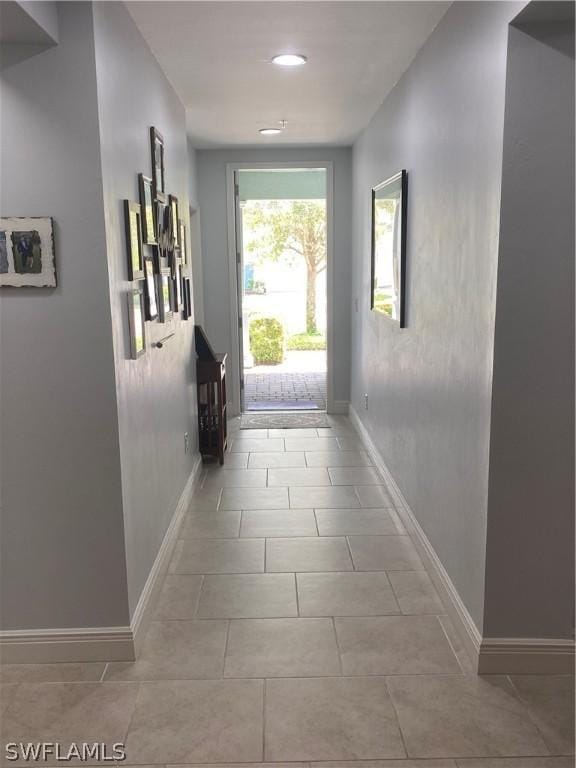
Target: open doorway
281,231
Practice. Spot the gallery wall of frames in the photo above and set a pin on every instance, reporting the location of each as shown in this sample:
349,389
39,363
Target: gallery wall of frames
157,253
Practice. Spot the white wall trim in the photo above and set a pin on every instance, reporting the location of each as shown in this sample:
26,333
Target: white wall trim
234,367
147,602
488,655
526,655
37,646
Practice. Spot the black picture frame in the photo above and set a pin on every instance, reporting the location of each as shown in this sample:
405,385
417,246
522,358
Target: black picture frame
150,297
158,168
165,291
174,221
136,323
388,254
163,247
148,209
187,294
134,247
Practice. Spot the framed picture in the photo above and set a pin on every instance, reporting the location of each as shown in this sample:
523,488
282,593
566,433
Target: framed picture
162,232
388,270
147,207
150,301
136,323
174,221
134,249
183,251
177,288
165,290
157,148
27,252
186,298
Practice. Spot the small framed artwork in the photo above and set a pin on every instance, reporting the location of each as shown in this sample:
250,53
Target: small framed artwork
165,290
162,232
187,299
177,280
134,248
157,148
183,251
150,301
174,221
145,185
136,323
388,268
27,252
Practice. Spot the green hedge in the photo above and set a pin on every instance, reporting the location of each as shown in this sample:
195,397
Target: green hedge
266,341
306,342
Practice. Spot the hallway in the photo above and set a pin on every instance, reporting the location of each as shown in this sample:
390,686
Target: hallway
296,624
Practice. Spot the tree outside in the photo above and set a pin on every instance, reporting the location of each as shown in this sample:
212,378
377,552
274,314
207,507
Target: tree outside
291,230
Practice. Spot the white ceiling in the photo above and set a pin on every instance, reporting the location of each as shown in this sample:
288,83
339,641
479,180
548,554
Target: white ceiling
217,57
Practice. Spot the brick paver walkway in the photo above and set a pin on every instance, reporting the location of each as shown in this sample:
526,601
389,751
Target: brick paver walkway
280,387
300,378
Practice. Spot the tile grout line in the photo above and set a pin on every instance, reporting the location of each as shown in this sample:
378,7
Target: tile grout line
396,715
528,712
197,606
449,642
338,651
228,625
316,522
297,596
132,714
350,553
264,683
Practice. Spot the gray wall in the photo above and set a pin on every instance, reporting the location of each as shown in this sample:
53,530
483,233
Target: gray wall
61,529
212,192
429,385
530,552
195,238
156,393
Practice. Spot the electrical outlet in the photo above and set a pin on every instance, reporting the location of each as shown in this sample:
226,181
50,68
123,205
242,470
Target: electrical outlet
366,401
186,442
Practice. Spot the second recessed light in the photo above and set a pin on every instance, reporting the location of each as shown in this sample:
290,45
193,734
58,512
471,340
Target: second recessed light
289,59
270,131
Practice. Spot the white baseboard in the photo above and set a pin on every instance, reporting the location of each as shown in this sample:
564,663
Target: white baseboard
147,602
40,646
525,655
339,407
488,655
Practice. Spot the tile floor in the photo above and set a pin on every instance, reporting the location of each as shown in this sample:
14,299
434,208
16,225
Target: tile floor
296,627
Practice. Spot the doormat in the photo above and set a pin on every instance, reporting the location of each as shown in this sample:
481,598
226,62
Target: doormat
282,405
283,420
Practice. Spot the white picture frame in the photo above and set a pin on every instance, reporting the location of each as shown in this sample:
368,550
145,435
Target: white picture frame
27,257
136,323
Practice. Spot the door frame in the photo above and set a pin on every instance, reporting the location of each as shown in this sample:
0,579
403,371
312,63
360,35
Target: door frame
233,288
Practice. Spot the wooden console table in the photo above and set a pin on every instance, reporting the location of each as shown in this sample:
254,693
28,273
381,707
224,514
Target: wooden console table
211,385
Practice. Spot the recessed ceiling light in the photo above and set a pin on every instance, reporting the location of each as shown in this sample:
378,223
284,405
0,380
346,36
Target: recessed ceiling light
270,131
289,59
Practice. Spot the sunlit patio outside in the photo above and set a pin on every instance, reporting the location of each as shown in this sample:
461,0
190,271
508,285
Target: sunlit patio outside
284,304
